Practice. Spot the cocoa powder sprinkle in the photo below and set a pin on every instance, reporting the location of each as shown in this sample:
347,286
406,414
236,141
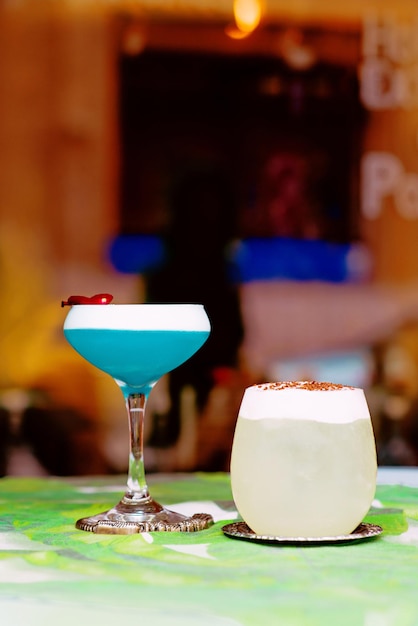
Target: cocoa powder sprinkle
307,385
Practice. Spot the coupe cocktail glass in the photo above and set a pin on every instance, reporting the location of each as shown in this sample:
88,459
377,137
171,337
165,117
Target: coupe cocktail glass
137,344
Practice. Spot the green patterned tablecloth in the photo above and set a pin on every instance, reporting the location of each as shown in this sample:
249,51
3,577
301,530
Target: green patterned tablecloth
52,573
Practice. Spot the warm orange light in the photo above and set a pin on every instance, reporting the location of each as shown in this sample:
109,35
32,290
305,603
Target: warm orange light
133,39
247,14
297,54
234,32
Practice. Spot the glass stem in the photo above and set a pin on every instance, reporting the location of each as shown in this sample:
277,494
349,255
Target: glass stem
137,485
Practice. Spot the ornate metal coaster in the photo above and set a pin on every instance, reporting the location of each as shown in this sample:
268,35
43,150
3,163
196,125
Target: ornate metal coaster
199,521
240,530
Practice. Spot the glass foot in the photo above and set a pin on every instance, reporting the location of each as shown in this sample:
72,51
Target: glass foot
128,519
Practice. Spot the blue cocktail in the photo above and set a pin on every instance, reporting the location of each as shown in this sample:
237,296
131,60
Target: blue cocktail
137,344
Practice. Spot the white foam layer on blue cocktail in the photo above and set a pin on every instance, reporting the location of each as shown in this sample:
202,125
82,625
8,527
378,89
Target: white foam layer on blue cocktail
138,317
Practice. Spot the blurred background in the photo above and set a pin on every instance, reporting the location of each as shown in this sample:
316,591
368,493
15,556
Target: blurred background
258,156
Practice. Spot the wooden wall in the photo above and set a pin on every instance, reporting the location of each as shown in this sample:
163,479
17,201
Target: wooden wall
58,192
58,120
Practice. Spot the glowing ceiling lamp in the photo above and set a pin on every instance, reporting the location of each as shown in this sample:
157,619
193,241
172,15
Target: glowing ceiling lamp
247,16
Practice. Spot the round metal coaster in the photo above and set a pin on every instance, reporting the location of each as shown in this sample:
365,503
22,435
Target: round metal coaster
240,530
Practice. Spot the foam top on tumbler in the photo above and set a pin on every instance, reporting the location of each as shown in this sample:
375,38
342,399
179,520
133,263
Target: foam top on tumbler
316,401
138,317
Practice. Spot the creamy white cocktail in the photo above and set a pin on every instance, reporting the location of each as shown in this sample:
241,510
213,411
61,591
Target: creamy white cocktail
303,459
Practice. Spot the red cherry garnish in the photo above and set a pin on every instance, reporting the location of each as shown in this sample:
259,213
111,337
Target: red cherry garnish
99,298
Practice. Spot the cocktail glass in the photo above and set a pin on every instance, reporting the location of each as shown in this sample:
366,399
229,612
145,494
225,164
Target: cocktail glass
303,460
137,344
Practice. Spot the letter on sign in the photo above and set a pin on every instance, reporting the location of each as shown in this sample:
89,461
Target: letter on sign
380,176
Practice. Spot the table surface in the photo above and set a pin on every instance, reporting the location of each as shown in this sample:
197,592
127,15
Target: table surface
50,572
